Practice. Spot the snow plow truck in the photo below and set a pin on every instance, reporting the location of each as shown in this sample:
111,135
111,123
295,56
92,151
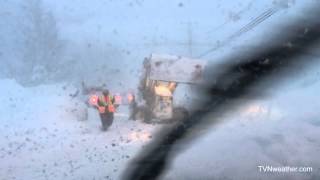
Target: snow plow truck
161,76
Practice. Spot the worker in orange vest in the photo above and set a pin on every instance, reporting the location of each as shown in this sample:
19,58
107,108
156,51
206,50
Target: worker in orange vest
105,105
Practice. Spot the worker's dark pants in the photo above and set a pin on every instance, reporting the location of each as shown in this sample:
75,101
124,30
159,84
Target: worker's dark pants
106,120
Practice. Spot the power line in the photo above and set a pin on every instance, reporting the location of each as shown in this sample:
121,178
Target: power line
258,20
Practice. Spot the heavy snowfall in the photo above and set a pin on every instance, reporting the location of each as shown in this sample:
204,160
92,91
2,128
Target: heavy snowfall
49,49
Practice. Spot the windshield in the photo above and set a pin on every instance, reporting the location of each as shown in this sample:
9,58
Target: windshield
80,84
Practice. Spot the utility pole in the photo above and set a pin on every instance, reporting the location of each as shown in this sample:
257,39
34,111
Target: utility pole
190,37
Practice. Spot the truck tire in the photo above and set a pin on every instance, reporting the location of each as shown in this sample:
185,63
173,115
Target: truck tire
179,113
147,115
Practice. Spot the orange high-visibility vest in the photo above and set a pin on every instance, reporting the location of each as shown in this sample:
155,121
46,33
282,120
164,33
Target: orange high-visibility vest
102,109
111,108
110,105
106,102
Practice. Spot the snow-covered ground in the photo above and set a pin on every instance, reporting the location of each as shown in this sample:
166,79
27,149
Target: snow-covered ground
43,135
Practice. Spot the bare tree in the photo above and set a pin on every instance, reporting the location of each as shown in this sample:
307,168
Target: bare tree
42,45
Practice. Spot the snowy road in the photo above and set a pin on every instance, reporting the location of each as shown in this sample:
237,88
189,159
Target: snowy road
42,138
